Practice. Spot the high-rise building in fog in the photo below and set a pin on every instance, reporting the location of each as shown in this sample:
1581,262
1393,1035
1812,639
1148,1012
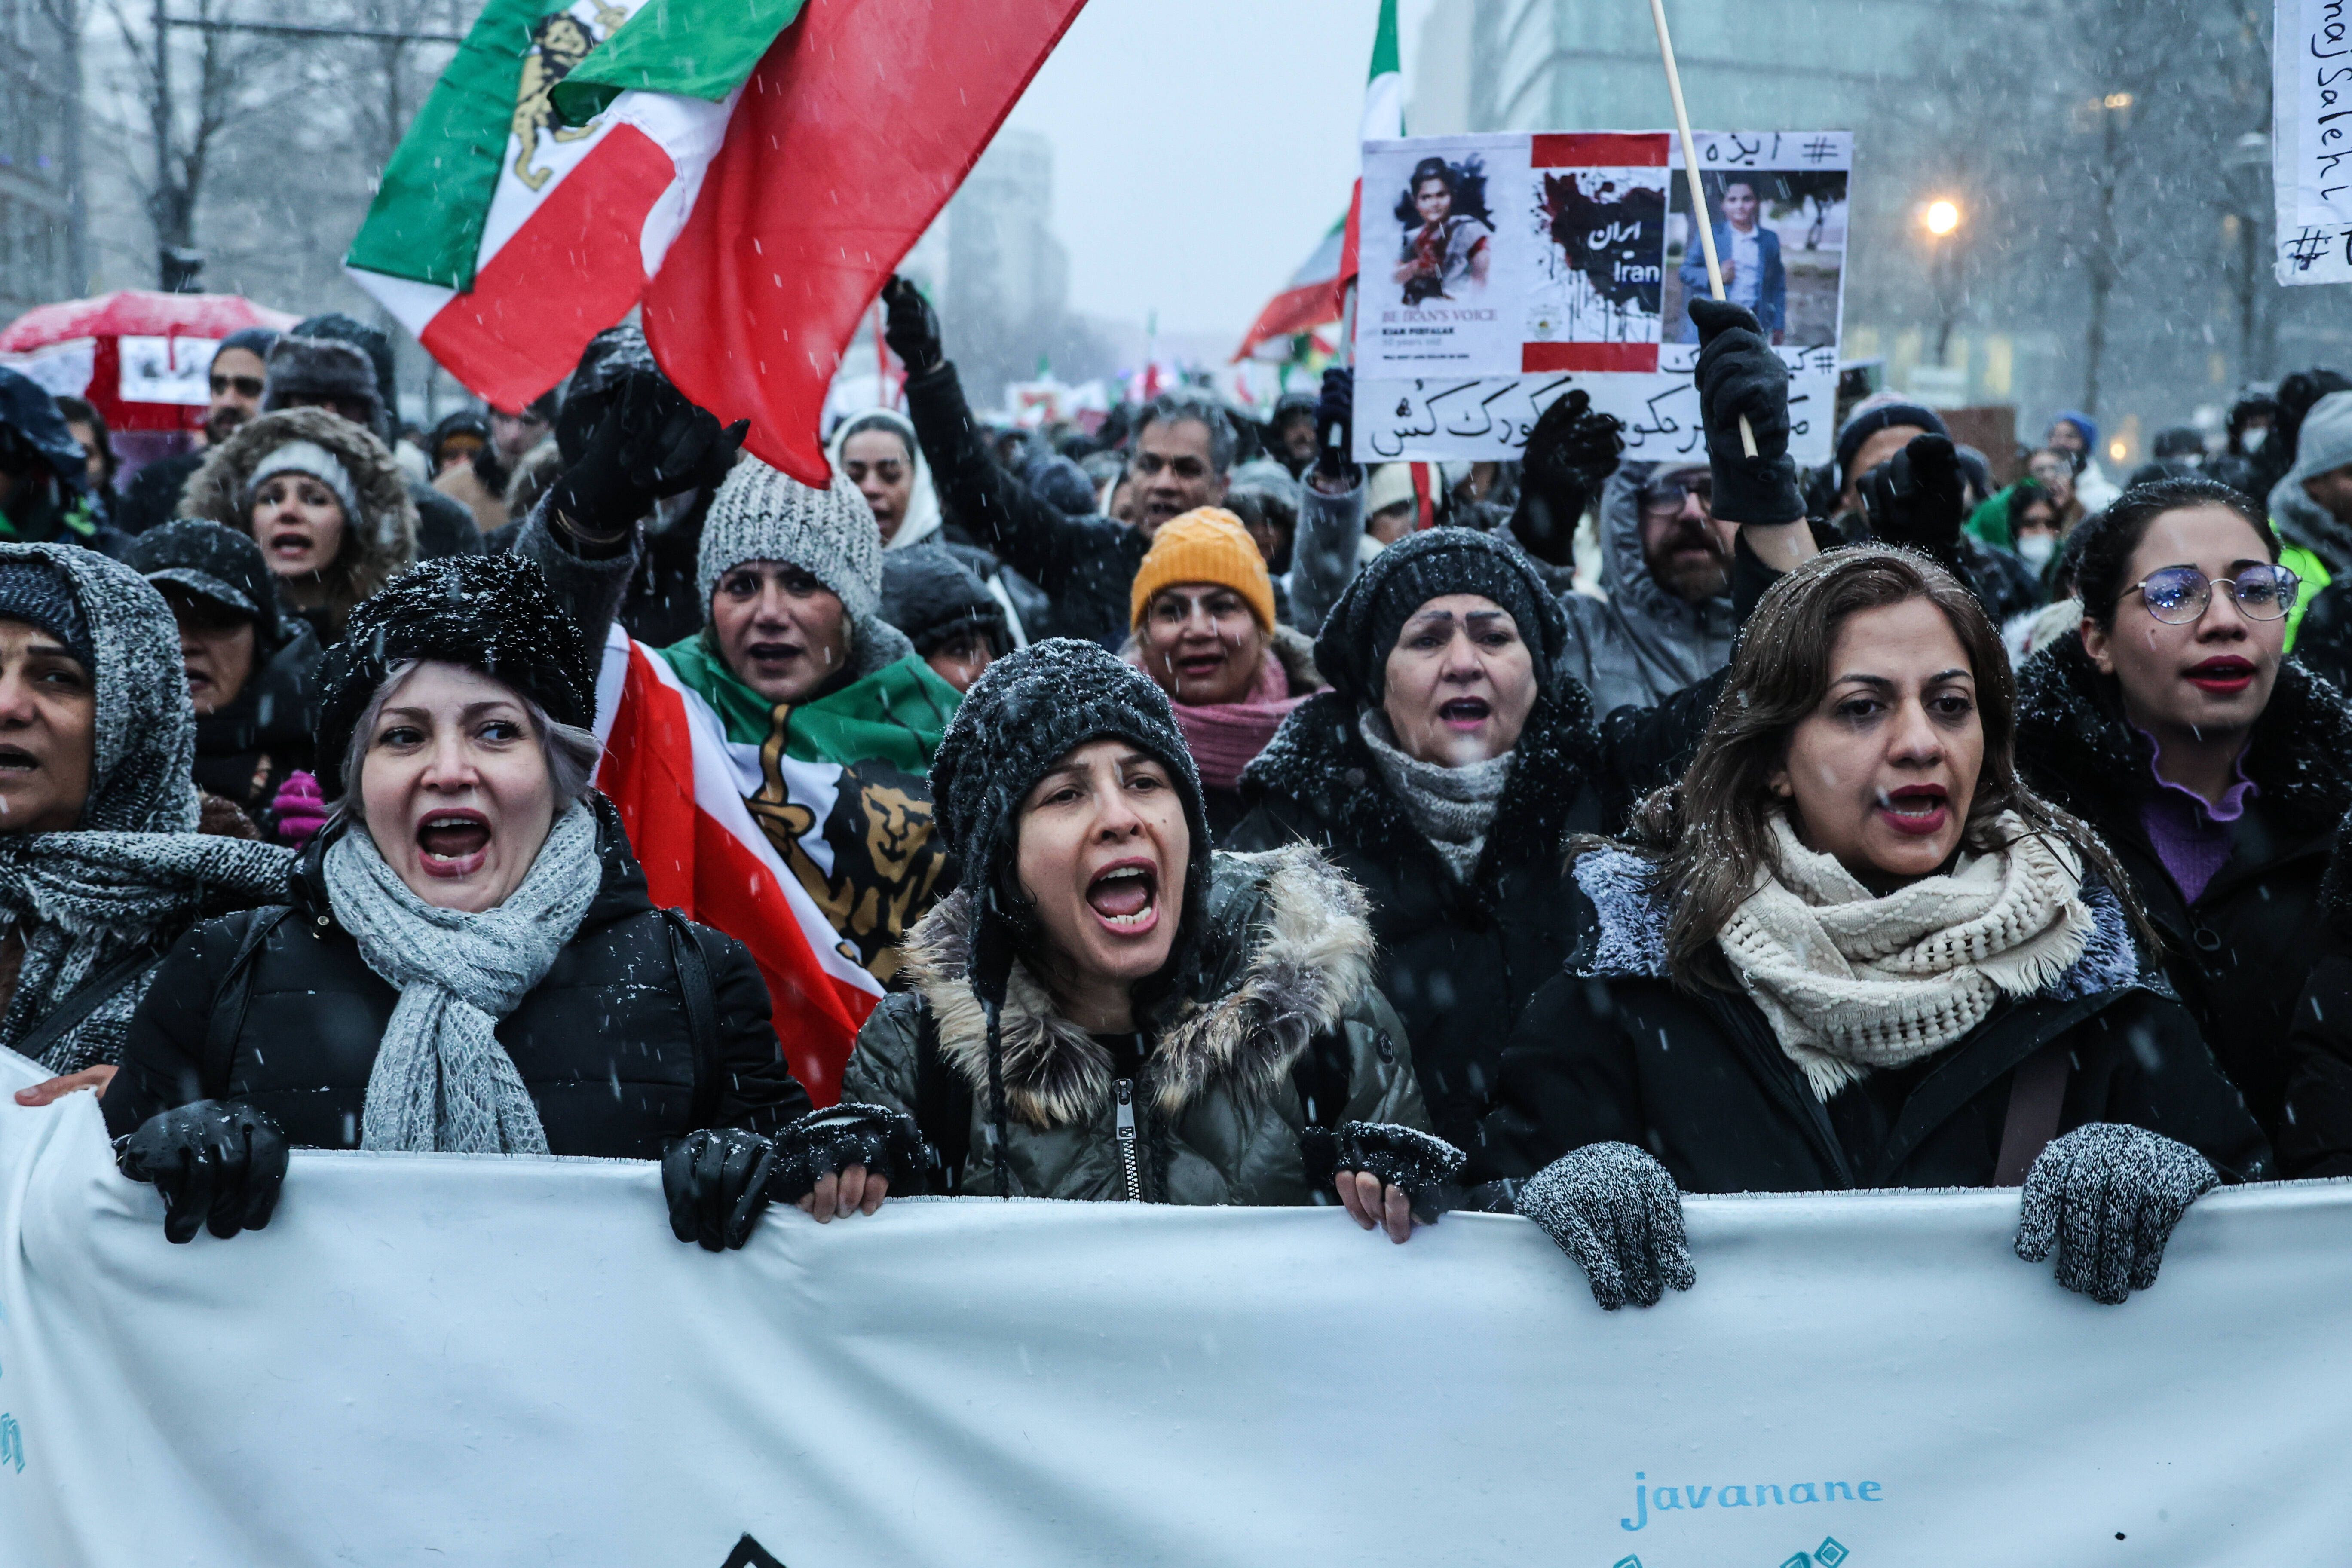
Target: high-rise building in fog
1002,259
36,104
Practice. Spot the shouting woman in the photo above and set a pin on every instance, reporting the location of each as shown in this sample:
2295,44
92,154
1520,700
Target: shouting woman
1851,949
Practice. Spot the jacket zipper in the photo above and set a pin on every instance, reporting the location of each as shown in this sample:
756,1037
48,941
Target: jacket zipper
1124,1090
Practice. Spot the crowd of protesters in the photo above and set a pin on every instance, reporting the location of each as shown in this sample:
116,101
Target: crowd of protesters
1559,836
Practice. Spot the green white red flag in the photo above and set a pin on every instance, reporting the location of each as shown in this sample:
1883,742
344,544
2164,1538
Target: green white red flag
745,173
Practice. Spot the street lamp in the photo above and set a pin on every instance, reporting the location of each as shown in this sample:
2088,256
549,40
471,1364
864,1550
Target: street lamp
1941,218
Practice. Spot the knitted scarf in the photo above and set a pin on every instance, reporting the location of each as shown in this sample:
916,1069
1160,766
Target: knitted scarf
441,1081
1451,808
1851,981
1225,736
84,901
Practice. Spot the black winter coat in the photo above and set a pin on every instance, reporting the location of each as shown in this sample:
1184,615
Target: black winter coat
604,1043
245,750
2240,954
1457,962
1613,1051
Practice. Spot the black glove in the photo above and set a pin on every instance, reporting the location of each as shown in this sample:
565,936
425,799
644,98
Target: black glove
1739,374
1335,424
1616,1211
217,1164
2107,1195
1420,1164
1569,456
651,443
910,327
827,1142
717,1183
1916,497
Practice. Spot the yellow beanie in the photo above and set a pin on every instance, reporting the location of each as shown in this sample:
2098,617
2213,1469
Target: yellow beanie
1207,544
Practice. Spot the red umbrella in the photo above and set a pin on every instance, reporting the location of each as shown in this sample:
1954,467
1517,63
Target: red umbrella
139,355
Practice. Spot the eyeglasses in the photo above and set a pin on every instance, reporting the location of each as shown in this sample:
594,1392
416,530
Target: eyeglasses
2177,595
247,385
1667,493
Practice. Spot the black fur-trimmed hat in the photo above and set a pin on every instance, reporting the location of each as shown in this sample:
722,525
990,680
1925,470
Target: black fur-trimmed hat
488,613
1023,714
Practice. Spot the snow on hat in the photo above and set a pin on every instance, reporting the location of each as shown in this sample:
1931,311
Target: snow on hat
308,458
37,593
931,596
321,370
1021,716
1207,544
213,563
486,612
761,514
1874,415
1353,651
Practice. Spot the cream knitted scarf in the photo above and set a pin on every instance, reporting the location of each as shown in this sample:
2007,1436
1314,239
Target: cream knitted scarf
1851,981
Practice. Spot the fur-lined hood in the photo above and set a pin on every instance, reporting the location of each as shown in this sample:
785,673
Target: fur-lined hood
1285,953
2076,747
386,529
1627,939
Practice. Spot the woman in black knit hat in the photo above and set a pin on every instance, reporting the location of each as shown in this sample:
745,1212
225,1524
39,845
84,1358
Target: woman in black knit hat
1443,773
469,963
1107,1009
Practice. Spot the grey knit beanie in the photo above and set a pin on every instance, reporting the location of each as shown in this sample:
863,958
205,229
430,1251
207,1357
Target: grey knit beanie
760,514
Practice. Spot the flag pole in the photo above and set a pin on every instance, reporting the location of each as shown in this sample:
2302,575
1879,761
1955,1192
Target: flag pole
1697,192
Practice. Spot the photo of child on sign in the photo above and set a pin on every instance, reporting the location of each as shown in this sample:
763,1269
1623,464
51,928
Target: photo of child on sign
1448,247
1779,236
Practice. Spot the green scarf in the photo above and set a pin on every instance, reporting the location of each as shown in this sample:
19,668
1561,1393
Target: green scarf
894,715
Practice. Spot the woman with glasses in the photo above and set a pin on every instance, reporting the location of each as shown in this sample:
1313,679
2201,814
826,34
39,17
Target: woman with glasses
2216,770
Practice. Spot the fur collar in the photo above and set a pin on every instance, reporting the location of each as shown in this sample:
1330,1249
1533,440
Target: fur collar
1319,767
1628,938
2076,748
1286,951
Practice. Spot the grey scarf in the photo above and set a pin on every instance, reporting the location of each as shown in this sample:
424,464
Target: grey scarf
1453,807
441,1080
84,901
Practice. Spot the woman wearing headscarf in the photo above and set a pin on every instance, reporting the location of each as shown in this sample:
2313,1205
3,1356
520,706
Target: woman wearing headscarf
1105,1008
1205,631
469,963
1850,949
101,864
878,451
325,500
1443,773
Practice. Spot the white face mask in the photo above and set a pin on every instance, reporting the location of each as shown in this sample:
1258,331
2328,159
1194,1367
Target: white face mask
2252,441
2036,549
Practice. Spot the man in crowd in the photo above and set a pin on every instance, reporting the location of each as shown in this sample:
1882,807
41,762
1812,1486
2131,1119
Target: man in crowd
239,367
1184,457
1668,620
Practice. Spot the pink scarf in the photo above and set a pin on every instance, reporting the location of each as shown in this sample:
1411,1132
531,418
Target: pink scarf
1224,736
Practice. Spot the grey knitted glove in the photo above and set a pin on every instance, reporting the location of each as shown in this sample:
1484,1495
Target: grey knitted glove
2107,1196
1616,1211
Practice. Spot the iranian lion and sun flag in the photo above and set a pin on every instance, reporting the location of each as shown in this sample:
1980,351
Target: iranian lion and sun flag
744,174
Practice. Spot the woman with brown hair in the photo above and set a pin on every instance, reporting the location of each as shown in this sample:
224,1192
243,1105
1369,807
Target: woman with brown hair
1851,950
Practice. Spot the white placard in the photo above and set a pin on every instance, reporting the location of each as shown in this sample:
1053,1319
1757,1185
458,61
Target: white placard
2311,140
1591,258
166,370
61,370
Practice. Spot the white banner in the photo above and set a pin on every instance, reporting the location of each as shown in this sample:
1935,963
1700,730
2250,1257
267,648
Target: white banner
2311,140
430,1359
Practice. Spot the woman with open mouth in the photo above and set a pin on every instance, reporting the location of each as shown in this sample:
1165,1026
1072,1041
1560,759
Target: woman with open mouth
1850,949
324,497
1442,772
1202,614
468,963
2215,768
1107,1009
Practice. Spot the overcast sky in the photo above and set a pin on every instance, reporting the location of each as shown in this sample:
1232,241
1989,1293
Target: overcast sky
1202,149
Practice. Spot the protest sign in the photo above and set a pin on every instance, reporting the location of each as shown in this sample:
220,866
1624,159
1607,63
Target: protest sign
2311,140
445,1359
1504,269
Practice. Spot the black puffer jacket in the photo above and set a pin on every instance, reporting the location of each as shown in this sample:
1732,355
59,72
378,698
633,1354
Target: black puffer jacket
1610,1050
1457,962
2240,954
604,1043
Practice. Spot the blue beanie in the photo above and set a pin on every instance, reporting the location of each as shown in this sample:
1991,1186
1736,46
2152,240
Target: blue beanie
2083,421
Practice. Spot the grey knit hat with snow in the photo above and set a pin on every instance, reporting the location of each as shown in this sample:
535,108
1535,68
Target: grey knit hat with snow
760,514
1353,651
